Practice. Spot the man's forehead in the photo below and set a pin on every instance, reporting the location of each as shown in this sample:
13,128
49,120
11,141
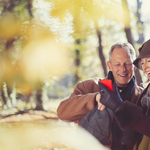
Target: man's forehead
124,60
120,50
121,54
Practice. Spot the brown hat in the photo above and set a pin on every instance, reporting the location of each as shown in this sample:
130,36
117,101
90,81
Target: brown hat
144,51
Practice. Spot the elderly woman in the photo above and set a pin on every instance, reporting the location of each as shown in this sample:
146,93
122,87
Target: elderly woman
127,114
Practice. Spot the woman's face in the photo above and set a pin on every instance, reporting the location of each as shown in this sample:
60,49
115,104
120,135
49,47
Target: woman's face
146,66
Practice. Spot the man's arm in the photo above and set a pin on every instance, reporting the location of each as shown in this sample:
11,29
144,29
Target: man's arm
80,102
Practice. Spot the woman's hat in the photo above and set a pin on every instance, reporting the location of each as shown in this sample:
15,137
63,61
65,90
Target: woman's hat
144,51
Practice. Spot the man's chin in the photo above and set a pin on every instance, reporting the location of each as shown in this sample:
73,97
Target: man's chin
122,84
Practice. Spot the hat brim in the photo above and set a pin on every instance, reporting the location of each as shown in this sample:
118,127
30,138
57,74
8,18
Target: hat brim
137,63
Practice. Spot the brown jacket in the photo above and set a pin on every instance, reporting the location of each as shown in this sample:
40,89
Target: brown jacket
83,99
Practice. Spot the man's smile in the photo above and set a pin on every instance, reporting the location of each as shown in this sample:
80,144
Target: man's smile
123,75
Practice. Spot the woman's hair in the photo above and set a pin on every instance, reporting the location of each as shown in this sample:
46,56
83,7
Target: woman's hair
123,45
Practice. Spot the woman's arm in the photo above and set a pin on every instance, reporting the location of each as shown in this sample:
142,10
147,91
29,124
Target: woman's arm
131,116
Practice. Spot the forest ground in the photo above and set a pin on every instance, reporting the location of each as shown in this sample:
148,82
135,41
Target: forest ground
40,121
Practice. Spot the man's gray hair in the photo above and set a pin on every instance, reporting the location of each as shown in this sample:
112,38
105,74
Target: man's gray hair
124,45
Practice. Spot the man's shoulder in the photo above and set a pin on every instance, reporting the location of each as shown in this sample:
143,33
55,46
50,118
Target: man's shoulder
89,85
91,81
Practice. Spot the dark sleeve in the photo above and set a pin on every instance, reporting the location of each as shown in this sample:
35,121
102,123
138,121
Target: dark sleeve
142,125
131,116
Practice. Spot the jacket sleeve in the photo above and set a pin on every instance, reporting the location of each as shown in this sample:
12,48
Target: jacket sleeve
142,125
131,116
80,102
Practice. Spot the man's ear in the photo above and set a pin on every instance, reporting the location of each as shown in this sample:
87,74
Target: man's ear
109,65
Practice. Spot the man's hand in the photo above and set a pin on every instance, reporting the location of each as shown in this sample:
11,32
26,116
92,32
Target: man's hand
110,99
100,105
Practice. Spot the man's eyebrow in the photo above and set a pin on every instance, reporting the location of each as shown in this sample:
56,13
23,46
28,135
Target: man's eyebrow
129,61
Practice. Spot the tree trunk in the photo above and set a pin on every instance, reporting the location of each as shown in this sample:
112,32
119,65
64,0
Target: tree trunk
129,35
39,104
77,62
8,81
139,23
101,55
3,98
30,8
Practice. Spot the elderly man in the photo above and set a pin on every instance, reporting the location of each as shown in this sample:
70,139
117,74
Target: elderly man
86,96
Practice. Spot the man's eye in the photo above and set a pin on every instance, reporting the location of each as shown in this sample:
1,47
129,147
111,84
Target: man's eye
117,65
128,64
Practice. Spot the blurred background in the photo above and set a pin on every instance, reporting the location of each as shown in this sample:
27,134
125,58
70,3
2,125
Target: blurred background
47,46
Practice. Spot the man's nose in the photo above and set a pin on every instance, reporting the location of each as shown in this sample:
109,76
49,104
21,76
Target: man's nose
123,68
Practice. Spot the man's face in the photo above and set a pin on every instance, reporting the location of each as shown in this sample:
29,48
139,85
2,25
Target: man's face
121,66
